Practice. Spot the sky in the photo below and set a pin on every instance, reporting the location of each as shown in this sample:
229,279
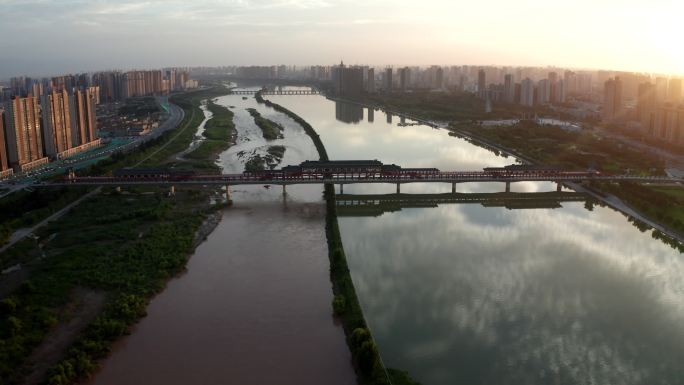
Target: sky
46,37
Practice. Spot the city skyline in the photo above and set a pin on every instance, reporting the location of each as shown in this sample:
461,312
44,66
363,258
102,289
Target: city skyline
596,35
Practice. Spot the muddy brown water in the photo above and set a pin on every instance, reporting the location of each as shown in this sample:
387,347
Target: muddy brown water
254,306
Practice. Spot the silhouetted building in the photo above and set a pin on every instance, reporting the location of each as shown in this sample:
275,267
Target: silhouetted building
543,91
404,78
509,89
646,106
553,85
370,80
674,91
570,80
389,82
661,90
612,100
669,124
482,84
348,81
527,92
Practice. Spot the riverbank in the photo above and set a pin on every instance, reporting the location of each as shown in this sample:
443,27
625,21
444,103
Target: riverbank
122,246
368,362
635,202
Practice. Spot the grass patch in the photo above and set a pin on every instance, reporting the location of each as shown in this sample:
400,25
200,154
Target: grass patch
220,126
27,208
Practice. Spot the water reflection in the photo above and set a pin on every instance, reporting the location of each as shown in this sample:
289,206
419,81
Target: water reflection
348,113
378,204
467,294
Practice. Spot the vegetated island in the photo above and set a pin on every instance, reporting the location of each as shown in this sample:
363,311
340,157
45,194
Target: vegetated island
259,162
219,133
270,129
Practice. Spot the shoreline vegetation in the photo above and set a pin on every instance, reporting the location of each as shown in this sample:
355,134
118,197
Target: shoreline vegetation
97,267
270,130
545,144
367,361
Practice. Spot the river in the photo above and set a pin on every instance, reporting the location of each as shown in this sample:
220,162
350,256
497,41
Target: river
254,306
454,293
470,294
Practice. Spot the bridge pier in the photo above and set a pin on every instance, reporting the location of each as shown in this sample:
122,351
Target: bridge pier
284,191
559,187
172,190
229,195
341,188
118,189
453,188
398,188
508,187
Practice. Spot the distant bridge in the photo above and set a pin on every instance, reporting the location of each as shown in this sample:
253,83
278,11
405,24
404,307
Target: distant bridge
378,204
275,92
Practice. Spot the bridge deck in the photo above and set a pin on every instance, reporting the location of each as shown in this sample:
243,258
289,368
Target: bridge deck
441,177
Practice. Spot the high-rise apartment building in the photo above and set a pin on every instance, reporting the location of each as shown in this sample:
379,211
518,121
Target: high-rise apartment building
348,81
612,100
646,106
389,82
5,169
527,92
404,78
482,83
85,130
661,89
23,134
674,91
370,80
509,89
553,85
669,124
559,92
544,91
57,117
570,80
584,83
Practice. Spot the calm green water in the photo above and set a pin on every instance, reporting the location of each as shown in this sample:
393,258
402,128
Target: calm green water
467,294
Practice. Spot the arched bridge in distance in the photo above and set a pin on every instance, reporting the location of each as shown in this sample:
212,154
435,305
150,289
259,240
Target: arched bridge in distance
354,172
275,92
